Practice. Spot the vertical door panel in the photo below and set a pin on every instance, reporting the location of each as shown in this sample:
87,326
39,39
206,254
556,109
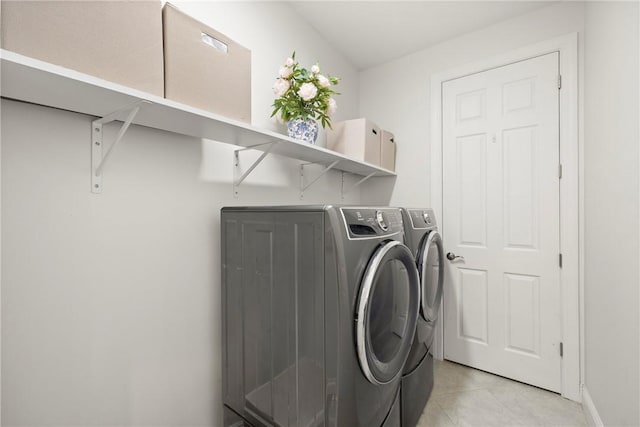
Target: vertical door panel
472,319
522,298
520,188
473,189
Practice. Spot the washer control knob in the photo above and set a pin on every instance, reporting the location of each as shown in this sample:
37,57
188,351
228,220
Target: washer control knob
427,218
381,222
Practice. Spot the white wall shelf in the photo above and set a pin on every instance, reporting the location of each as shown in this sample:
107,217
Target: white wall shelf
30,80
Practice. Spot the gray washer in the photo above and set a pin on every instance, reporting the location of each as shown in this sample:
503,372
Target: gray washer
422,237
320,305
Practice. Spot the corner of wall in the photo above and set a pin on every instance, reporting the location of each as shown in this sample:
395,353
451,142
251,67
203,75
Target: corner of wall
589,409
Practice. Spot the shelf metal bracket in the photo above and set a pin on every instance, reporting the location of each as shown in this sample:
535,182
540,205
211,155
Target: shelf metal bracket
371,175
237,176
98,157
304,186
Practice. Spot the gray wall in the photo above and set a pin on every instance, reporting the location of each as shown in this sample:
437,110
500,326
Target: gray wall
612,212
110,303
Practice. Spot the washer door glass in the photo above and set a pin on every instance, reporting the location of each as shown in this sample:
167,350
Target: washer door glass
387,312
431,268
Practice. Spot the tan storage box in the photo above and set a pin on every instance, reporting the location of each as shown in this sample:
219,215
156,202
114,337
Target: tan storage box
357,138
119,41
388,151
205,68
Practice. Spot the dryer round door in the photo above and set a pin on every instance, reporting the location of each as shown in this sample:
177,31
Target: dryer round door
431,269
387,312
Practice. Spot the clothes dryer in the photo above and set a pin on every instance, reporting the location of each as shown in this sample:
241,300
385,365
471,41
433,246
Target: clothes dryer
320,305
422,237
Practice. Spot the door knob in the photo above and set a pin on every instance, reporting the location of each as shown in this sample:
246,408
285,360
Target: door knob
452,257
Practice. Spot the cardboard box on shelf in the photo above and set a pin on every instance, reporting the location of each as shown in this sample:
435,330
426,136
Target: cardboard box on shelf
205,68
388,151
357,138
119,41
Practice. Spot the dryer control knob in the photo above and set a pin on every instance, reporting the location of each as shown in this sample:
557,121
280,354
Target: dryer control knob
427,218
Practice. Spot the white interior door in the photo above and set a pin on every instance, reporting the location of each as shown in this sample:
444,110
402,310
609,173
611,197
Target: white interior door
501,210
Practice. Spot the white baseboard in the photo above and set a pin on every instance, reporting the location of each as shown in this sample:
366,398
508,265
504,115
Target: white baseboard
589,409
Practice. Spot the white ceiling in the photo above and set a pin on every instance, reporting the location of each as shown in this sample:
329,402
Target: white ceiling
369,33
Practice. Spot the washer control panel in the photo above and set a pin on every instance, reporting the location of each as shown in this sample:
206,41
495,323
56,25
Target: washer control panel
422,218
370,222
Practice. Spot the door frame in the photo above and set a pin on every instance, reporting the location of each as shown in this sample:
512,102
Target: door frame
571,193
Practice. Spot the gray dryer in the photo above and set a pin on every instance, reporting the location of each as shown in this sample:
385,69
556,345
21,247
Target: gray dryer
422,237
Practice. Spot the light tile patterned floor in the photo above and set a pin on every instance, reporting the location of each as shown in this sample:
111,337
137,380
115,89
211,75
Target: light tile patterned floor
464,396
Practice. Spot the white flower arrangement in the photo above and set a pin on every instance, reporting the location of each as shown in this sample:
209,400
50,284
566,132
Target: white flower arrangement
303,93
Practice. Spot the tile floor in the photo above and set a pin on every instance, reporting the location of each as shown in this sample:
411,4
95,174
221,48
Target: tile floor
464,396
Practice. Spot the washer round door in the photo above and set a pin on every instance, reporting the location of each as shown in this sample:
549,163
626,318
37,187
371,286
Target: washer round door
431,268
387,312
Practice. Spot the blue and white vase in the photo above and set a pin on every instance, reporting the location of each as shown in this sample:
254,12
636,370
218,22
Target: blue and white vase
303,129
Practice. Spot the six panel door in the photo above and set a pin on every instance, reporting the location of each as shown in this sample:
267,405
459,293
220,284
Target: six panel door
501,214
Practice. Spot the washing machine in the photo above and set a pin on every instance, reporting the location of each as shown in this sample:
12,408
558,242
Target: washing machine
425,243
320,305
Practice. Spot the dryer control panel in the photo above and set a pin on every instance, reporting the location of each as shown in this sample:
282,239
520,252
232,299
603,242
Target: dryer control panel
372,222
422,218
